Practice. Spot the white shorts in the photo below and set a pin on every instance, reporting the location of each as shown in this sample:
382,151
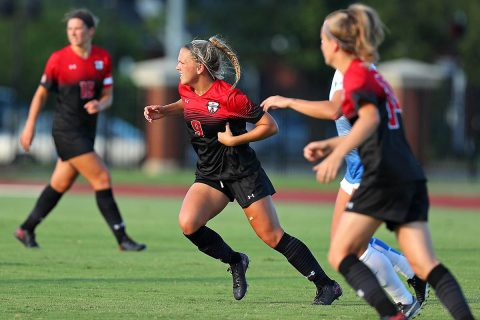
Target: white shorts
348,187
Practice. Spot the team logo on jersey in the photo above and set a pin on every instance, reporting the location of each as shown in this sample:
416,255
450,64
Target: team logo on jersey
213,106
72,66
98,64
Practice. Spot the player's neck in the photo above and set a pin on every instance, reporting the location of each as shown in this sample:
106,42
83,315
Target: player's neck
82,51
202,86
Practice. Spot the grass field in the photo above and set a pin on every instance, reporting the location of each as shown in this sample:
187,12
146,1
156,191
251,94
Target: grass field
79,274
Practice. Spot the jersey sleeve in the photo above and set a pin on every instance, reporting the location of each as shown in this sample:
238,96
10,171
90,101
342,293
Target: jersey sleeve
50,74
241,107
337,84
358,90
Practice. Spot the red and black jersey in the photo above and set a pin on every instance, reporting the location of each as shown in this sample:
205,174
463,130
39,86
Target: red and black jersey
76,81
386,155
206,115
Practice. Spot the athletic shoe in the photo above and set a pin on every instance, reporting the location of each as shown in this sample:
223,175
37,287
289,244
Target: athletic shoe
410,310
26,237
421,289
327,294
238,271
398,316
129,245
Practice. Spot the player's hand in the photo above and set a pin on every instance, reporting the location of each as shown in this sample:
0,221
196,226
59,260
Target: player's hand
153,112
226,138
275,102
26,138
316,150
327,169
92,106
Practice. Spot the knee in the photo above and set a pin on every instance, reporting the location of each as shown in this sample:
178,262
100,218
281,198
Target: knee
62,185
102,180
187,224
271,238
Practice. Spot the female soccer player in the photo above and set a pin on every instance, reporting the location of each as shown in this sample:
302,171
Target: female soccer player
393,188
378,256
80,75
216,113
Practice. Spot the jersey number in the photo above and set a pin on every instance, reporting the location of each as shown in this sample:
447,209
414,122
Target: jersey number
87,89
393,108
197,127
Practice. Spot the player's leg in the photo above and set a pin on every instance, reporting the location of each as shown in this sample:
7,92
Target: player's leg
63,177
401,265
352,236
375,260
264,220
341,201
92,167
203,201
415,242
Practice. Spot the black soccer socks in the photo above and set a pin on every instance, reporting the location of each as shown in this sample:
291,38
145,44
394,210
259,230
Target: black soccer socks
449,292
109,209
212,244
302,259
366,285
47,200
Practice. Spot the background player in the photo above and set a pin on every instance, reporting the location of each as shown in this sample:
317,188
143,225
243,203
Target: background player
81,76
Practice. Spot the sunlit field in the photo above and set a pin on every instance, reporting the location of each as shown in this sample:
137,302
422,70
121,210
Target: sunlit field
79,274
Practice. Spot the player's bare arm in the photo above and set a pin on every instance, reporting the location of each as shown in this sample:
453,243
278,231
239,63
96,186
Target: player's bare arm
155,112
28,133
105,101
264,128
329,110
367,123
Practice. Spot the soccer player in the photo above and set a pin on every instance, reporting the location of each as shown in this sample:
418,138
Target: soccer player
216,114
81,76
393,188
378,256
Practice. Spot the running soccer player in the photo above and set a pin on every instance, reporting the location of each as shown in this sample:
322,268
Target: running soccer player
216,114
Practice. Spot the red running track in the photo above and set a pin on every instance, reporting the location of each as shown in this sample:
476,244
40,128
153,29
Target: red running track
285,195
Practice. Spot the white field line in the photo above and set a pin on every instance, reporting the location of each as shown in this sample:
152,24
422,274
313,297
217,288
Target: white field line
20,190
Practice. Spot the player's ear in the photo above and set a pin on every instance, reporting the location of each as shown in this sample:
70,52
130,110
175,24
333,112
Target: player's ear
91,32
200,68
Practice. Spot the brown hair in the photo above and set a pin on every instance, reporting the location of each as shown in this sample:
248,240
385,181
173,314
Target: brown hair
90,20
358,30
210,53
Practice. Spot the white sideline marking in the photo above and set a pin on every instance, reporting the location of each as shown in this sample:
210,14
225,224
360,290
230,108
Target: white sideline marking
20,190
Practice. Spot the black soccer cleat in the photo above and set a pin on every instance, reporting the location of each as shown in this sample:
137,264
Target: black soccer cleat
27,238
421,289
238,271
327,294
128,244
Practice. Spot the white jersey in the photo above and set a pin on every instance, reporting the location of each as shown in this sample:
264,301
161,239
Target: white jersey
354,170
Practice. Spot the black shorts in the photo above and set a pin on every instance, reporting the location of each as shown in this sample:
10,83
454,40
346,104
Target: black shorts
245,190
395,205
71,144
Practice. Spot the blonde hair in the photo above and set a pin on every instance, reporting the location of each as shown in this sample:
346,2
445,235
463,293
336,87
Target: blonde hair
358,30
210,53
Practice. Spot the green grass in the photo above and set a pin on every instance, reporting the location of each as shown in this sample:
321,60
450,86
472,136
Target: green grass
79,274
